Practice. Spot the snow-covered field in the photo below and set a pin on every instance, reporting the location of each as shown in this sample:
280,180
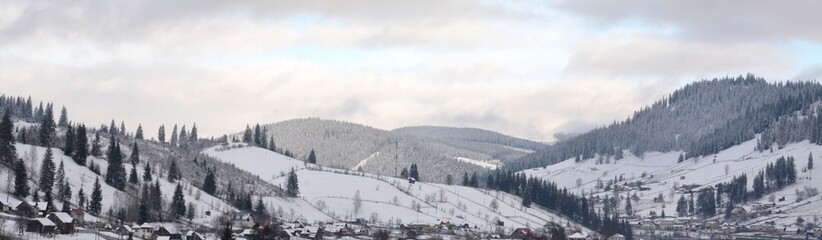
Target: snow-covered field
662,173
493,164
384,199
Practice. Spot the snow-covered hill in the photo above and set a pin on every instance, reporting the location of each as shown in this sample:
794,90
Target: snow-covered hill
81,177
385,200
661,174
435,150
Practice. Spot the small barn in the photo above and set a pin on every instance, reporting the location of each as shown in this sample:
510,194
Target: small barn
522,233
63,221
5,206
41,225
25,209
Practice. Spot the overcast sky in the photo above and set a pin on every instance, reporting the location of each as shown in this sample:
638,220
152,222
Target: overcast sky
524,68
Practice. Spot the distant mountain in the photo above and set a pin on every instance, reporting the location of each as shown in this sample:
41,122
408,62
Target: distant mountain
497,145
700,118
438,151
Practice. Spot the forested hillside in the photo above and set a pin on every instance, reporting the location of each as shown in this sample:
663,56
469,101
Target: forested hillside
437,152
700,118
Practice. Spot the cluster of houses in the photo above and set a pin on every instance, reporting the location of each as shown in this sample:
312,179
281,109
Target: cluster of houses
40,221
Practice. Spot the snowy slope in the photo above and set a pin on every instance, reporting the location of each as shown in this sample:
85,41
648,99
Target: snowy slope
249,159
385,199
663,173
80,176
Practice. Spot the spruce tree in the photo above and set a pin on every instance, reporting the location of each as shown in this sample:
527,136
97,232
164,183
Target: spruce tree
134,159
61,182
139,133
259,210
63,118
312,157
292,188
257,135
414,173
123,128
95,146
115,173
8,153
147,172
178,203
161,134
227,234
21,183
173,141
193,137
81,198
132,177
173,172
247,136
47,128
95,206
810,161
81,146
68,148
182,141
112,128
210,184
47,172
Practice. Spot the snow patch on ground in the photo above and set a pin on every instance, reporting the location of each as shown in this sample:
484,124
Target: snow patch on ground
493,164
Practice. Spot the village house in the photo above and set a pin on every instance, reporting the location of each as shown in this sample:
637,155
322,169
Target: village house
522,233
192,235
125,230
25,209
143,231
41,208
167,231
243,220
5,206
41,225
63,221
79,216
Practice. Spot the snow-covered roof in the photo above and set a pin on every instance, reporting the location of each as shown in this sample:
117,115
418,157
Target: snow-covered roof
171,229
578,236
42,206
45,222
191,233
163,238
64,217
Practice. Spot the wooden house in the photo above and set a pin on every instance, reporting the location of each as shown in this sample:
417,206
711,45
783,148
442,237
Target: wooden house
63,221
41,225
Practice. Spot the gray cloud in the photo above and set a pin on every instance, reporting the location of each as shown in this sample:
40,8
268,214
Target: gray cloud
728,21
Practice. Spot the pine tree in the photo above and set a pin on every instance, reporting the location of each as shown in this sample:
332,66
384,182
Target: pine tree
210,184
115,173
60,177
691,205
81,146
681,206
257,135
96,198
21,183
404,173
132,178
81,198
414,173
474,181
293,188
63,118
49,199
681,158
182,141
161,134
193,137
112,128
95,146
47,128
173,141
312,157
139,133
123,128
147,172
259,210
8,153
134,159
68,148
810,161
247,136
465,180
173,172
227,234
47,172
178,203
271,145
